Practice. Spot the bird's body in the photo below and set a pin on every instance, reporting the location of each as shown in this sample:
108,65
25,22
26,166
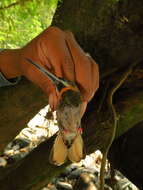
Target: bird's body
69,139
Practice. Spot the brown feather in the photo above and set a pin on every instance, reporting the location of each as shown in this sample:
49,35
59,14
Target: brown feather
59,151
75,152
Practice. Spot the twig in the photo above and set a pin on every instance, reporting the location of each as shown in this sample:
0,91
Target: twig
115,118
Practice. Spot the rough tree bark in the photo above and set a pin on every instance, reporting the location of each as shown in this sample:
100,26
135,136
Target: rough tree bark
111,32
17,107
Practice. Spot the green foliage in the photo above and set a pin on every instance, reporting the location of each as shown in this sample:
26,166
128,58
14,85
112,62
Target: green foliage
24,20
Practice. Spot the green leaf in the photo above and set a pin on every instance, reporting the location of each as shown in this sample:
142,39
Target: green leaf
22,22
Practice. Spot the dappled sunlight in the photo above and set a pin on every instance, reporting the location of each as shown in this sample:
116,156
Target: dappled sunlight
41,127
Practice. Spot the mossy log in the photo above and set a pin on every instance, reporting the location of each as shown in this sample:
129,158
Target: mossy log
111,32
18,104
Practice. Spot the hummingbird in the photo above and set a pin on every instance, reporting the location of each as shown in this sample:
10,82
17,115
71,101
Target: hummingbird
68,144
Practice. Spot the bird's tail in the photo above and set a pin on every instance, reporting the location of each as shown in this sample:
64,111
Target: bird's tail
75,152
60,152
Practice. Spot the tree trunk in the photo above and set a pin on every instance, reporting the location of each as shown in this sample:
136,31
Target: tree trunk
111,32
126,154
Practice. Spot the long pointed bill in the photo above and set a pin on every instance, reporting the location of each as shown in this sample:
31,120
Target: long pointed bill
57,81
